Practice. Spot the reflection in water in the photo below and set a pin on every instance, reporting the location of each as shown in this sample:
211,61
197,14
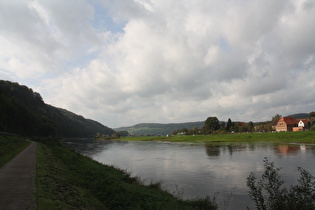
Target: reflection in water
89,147
199,170
292,149
212,150
285,149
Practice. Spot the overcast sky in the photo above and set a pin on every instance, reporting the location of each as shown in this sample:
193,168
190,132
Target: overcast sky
123,62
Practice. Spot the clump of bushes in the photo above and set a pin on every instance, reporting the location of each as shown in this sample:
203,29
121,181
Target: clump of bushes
269,192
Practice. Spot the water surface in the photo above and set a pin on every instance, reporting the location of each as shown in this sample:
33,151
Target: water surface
195,170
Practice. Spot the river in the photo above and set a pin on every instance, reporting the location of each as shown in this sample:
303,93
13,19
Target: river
192,170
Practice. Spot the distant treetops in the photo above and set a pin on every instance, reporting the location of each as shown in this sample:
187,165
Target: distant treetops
213,126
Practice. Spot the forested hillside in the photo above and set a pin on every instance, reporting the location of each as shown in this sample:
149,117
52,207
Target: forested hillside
299,115
23,111
158,128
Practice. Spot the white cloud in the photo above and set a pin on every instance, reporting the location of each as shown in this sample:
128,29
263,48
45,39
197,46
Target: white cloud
170,61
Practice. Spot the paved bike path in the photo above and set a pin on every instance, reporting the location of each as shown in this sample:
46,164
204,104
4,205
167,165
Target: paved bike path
17,181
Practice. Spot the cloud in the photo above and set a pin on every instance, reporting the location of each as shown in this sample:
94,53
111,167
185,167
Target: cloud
125,62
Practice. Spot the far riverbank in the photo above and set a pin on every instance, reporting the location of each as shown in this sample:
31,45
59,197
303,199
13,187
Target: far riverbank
298,137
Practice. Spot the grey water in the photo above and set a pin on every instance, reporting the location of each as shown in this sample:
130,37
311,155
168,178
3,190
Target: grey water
197,170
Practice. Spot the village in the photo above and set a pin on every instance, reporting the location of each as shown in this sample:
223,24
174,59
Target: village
292,124
297,122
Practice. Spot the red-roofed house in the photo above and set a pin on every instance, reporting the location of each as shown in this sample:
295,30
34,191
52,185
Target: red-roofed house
286,124
302,125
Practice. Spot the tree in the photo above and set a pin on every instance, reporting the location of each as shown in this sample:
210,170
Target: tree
250,126
311,114
275,119
212,124
228,125
277,116
195,130
183,130
222,125
117,135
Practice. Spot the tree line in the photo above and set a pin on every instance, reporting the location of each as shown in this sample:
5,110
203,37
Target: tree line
213,126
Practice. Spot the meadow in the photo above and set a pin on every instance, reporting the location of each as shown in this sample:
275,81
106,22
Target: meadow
298,137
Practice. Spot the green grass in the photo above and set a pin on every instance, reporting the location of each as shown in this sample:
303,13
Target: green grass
68,180
10,146
302,137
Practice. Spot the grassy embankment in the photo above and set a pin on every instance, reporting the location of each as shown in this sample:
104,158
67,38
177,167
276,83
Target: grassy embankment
67,180
298,137
10,146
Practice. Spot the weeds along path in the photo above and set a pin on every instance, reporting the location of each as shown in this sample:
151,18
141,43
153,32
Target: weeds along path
17,181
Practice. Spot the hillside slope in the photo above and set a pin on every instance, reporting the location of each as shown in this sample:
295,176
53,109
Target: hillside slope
24,112
299,115
159,128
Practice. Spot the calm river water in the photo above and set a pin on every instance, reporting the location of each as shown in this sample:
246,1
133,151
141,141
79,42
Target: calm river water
197,169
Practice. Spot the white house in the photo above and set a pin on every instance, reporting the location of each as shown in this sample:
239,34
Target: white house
301,124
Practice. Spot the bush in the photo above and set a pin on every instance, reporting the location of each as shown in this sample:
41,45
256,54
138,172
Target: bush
269,192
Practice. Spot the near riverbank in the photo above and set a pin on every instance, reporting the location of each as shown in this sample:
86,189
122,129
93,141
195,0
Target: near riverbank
68,180
10,146
298,137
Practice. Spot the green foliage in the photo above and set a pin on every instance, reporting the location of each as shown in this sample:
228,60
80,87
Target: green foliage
311,114
250,126
24,112
228,125
123,133
212,124
269,192
276,118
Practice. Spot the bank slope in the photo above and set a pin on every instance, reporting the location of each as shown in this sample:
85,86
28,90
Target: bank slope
68,180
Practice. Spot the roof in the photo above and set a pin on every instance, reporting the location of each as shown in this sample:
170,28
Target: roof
289,120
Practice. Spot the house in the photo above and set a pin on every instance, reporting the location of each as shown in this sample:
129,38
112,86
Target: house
286,124
303,125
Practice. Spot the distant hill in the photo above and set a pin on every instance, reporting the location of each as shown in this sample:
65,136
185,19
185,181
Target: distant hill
299,115
159,128
24,112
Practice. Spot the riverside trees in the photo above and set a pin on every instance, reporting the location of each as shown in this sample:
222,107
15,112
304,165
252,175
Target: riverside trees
212,124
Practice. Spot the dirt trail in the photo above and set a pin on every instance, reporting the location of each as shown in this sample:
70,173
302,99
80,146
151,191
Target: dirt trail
17,181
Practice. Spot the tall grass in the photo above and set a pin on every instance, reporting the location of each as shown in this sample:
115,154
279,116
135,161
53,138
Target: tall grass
10,146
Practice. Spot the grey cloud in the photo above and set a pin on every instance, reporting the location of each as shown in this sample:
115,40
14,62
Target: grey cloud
171,62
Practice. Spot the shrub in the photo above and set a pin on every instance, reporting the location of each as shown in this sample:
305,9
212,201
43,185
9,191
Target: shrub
269,192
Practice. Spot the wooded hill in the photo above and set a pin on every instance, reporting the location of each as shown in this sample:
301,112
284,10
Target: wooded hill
24,112
159,128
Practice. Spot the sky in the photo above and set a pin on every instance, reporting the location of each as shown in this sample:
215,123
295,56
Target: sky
123,62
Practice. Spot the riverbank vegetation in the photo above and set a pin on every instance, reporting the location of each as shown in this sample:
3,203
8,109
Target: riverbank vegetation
270,193
68,180
299,137
10,146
